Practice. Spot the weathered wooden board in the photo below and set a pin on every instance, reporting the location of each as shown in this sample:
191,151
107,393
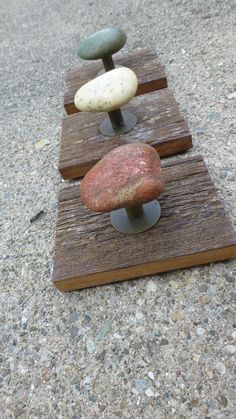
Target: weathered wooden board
160,124
192,230
144,62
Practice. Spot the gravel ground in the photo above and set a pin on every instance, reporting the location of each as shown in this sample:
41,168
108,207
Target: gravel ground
160,347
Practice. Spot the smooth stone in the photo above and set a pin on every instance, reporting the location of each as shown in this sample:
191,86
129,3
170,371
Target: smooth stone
141,384
127,176
104,330
90,345
107,92
102,43
200,331
230,349
151,375
151,287
149,392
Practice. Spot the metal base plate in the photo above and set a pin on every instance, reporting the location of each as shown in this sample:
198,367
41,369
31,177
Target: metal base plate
151,214
130,121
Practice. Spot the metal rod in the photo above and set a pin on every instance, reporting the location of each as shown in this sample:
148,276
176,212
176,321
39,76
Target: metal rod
134,212
108,63
116,119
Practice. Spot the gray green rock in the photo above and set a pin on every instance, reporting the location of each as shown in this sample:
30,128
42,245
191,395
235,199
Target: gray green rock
102,43
104,330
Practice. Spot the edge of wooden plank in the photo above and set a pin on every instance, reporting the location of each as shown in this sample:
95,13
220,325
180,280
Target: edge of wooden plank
186,261
117,57
177,146
142,89
197,159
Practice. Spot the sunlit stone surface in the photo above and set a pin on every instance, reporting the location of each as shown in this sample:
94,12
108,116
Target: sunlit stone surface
127,176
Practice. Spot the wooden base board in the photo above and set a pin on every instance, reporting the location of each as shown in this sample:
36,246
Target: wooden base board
144,62
192,230
160,124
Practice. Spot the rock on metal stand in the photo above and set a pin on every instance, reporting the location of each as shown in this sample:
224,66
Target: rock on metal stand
143,61
111,227
159,122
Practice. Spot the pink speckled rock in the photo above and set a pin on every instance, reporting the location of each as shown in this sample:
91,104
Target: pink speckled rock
129,175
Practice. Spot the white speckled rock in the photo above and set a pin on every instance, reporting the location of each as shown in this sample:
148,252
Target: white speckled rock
107,92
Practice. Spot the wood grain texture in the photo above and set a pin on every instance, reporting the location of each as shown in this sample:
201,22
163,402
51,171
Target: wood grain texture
160,124
192,230
144,62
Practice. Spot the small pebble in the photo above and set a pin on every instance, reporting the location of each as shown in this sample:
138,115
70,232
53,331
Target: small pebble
151,375
200,331
151,287
149,393
100,356
141,383
74,317
174,284
210,374
191,280
140,301
195,357
233,295
87,318
214,116
41,144
87,380
164,342
202,287
46,375
220,368
139,316
18,412
75,380
230,349
104,330
223,400
38,216
178,316
117,336
73,331
90,345
212,289
230,278
202,299
92,398
232,95
234,334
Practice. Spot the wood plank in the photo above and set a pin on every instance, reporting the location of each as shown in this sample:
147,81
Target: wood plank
193,230
160,124
144,62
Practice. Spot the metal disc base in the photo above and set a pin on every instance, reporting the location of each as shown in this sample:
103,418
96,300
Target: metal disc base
130,121
149,217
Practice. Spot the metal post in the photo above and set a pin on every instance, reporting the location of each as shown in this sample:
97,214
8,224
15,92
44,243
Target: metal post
108,63
134,212
116,119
